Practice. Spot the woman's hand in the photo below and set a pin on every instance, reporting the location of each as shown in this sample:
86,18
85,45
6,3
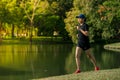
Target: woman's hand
77,36
78,27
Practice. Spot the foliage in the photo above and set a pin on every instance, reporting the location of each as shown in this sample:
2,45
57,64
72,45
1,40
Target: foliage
71,21
112,17
48,25
44,17
102,17
23,16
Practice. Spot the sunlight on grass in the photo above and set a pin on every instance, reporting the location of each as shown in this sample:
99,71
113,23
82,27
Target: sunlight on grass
113,47
92,75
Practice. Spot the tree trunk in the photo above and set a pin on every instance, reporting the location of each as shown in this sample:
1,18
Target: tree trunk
0,32
31,29
13,28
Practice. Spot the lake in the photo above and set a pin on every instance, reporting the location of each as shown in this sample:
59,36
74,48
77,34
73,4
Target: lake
25,61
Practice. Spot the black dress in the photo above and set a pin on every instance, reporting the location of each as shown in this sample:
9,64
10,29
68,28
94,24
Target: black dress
83,41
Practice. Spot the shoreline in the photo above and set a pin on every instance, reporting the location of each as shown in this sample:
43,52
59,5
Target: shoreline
110,74
113,47
35,41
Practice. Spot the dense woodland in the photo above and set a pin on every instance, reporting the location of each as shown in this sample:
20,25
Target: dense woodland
33,18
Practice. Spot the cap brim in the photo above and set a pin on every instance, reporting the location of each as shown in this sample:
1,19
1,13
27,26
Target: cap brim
77,16
80,17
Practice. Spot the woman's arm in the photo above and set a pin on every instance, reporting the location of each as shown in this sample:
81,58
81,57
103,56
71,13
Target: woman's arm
84,32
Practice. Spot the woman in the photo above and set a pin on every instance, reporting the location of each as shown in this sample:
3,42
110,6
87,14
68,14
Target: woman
83,42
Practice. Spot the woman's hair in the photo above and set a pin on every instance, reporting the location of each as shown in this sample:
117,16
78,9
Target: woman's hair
84,19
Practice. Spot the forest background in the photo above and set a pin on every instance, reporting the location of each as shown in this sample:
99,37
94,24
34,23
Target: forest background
34,18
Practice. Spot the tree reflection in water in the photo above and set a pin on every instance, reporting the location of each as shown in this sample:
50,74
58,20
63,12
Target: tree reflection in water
44,60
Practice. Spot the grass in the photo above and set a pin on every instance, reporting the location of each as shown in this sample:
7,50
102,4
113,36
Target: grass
113,47
41,39
112,74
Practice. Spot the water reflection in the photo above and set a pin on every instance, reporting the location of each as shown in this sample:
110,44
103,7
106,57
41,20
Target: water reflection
17,57
32,61
22,62
105,59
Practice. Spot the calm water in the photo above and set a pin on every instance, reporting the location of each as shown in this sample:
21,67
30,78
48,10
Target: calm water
24,62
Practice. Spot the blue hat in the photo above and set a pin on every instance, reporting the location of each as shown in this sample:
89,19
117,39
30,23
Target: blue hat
81,16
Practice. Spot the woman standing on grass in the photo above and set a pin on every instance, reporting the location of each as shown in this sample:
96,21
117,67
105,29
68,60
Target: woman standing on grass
83,43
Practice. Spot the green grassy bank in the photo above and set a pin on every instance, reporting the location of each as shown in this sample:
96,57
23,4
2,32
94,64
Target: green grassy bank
113,46
112,74
35,40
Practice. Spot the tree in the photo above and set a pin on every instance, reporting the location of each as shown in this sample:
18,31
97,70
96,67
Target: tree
102,17
30,7
46,15
59,8
79,7
11,14
110,16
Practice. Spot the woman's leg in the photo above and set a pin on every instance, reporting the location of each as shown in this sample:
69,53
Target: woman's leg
77,57
91,57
